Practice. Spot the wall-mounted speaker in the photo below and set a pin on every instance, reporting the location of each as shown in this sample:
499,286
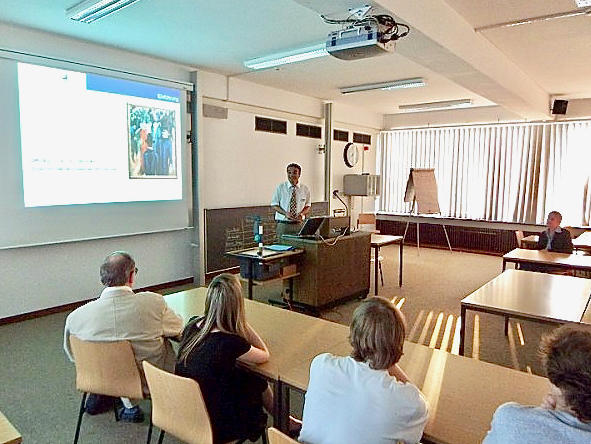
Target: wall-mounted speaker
559,106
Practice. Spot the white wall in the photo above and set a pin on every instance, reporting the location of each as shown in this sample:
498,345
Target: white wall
238,167
35,278
243,166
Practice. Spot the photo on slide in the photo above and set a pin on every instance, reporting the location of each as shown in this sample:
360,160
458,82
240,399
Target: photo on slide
151,142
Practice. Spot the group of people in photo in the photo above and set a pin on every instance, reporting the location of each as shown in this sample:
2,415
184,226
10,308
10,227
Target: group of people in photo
365,397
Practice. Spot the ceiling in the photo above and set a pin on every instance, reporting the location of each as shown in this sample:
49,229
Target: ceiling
554,53
517,68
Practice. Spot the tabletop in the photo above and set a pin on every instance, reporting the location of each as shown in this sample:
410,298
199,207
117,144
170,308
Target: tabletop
380,240
291,337
452,385
548,257
536,295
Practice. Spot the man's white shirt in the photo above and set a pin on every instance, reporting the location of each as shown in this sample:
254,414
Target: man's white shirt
282,198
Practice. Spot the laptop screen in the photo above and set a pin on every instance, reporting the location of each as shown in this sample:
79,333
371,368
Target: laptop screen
311,226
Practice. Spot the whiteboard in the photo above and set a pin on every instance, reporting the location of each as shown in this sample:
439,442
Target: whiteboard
422,187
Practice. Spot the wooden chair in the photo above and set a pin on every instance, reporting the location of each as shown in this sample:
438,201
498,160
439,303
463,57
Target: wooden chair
519,236
367,221
105,368
277,437
178,407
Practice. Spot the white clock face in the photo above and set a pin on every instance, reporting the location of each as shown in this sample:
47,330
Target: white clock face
351,155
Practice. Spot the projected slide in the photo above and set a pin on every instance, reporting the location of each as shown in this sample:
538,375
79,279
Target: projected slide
87,138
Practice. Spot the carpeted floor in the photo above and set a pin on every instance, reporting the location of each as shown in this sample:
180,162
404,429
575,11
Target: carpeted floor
38,393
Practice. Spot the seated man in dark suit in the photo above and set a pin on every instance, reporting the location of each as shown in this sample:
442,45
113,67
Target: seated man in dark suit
554,238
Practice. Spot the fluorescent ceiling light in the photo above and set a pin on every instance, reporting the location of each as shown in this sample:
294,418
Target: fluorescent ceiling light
540,18
430,106
89,11
583,3
283,58
395,84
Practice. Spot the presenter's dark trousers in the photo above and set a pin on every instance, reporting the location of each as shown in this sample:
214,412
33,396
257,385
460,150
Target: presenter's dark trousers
287,227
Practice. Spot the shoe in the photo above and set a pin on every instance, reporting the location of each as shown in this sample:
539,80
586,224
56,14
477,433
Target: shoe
96,404
134,414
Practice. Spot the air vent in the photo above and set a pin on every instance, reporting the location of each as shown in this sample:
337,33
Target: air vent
270,125
364,139
312,131
341,136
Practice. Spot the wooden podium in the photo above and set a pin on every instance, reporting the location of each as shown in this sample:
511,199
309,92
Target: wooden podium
331,273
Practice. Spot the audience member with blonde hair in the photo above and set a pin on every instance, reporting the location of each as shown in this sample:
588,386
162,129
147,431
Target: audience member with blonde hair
565,413
210,347
366,397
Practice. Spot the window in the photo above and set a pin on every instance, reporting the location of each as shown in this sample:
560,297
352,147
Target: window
270,125
505,172
364,139
341,136
312,131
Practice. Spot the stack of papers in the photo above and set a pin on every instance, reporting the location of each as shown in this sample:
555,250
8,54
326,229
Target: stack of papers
278,247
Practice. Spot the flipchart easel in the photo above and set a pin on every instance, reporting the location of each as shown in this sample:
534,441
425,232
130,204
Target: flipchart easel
421,190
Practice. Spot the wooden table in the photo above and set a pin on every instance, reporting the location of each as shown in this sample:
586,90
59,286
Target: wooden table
583,242
562,260
530,242
291,337
269,256
455,387
381,240
529,295
8,434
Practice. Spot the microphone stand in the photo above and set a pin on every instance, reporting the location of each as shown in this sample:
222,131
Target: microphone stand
335,193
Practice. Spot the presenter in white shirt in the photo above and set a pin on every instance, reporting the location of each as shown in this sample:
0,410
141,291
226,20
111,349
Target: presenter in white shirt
291,202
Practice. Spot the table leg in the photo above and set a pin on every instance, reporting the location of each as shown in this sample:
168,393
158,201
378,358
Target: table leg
462,328
400,265
250,275
375,269
283,405
277,405
291,293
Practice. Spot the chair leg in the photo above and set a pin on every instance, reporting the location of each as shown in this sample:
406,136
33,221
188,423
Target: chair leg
161,437
381,274
150,430
115,409
80,414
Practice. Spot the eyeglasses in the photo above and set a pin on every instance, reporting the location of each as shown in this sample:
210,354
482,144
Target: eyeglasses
136,270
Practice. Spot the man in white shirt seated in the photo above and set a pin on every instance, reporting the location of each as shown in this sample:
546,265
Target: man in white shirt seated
291,202
366,397
119,314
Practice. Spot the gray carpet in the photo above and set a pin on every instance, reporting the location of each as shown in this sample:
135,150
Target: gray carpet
38,393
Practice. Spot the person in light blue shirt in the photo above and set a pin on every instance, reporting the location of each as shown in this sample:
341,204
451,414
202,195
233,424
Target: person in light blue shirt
565,413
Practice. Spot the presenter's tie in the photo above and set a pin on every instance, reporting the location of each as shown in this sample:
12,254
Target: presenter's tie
293,201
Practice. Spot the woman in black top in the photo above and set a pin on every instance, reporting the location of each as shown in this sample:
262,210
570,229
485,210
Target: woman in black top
208,353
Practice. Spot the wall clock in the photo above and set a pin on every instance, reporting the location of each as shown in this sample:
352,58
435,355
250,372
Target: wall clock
351,155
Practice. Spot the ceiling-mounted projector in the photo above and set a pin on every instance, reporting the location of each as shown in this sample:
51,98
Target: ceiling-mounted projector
364,35
359,42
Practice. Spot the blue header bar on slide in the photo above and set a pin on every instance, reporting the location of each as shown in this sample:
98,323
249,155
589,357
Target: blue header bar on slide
129,88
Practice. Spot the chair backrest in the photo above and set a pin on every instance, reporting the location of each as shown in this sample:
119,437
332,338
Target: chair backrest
277,437
519,237
574,232
366,219
178,406
106,368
